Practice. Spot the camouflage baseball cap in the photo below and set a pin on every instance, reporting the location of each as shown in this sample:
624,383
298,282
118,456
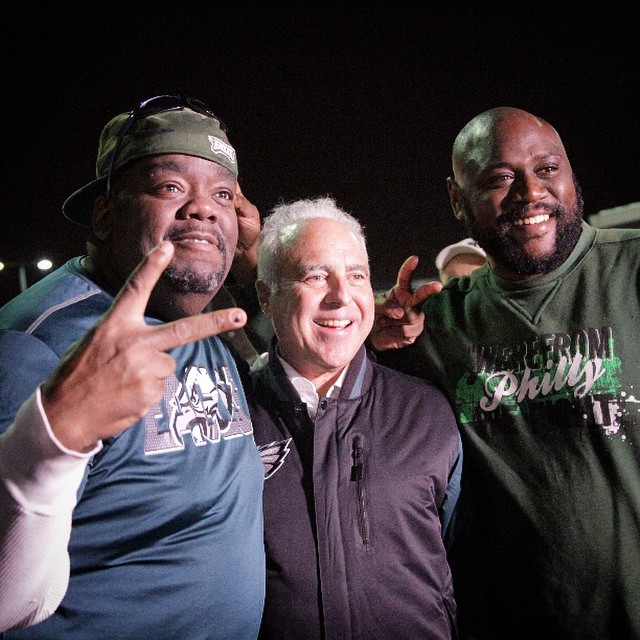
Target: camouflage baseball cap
157,126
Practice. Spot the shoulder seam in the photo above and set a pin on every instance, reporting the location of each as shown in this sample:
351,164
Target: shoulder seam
40,319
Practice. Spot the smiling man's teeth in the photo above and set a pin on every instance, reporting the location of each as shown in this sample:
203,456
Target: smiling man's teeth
334,323
543,217
195,240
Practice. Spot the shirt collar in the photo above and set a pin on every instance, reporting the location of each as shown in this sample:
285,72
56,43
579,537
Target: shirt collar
307,390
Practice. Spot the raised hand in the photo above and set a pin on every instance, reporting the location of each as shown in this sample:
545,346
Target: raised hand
107,380
399,317
246,255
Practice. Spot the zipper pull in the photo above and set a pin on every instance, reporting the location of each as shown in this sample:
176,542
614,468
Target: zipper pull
356,455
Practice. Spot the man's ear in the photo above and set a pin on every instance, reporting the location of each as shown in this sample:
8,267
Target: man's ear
264,297
101,218
454,198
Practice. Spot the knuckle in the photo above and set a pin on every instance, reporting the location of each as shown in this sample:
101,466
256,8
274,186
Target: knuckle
183,331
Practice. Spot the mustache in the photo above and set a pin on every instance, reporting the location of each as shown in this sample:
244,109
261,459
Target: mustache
176,234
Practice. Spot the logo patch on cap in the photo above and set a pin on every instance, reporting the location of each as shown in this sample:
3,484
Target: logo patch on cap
221,147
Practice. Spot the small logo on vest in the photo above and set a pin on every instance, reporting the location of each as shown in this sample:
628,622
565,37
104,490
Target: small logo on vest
273,455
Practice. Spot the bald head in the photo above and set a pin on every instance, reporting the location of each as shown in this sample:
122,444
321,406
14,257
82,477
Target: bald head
480,137
514,189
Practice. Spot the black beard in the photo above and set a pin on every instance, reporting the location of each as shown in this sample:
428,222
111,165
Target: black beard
502,248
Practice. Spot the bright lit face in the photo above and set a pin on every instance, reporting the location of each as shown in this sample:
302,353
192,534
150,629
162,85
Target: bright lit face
516,193
323,308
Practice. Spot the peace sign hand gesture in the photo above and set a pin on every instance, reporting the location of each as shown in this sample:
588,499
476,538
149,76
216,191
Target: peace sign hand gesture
108,380
399,318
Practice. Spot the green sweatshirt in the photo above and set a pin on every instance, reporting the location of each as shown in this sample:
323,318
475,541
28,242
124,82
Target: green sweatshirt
545,380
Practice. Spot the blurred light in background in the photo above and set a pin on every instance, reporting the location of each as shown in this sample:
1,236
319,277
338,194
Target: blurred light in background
43,264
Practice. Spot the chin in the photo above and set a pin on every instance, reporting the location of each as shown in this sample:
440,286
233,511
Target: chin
190,281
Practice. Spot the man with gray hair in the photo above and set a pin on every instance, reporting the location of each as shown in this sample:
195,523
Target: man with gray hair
361,462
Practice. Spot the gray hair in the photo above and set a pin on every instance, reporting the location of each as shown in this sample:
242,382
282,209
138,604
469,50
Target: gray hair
273,246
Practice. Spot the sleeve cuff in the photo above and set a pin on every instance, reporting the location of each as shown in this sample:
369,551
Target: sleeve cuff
41,475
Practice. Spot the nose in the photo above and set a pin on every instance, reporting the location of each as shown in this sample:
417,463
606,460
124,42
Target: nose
199,206
528,188
339,293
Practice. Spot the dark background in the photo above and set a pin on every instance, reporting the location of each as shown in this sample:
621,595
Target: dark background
358,103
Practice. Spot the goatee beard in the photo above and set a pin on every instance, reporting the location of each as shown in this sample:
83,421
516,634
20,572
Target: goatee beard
205,280
183,281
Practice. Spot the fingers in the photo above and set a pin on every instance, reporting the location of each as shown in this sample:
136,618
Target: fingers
387,338
110,378
399,317
239,193
185,330
402,308
126,316
245,209
393,333
246,253
406,273
402,300
132,299
398,300
391,307
419,297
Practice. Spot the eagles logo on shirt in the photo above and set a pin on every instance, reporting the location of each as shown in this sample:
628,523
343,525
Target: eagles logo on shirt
273,455
204,408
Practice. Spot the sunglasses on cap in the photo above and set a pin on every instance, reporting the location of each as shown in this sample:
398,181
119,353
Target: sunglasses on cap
149,107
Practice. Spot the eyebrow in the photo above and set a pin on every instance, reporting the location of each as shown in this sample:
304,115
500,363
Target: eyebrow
542,157
325,267
162,163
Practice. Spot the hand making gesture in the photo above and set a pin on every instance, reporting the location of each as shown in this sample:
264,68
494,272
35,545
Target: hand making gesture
110,378
399,317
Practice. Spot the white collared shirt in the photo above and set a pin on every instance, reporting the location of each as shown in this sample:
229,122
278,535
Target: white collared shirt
307,390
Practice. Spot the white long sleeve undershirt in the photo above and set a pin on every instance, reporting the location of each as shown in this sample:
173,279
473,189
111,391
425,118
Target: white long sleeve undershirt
39,480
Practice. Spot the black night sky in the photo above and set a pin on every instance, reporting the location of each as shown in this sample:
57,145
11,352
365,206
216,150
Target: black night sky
358,103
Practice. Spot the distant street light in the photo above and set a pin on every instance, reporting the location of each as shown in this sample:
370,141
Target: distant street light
44,264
